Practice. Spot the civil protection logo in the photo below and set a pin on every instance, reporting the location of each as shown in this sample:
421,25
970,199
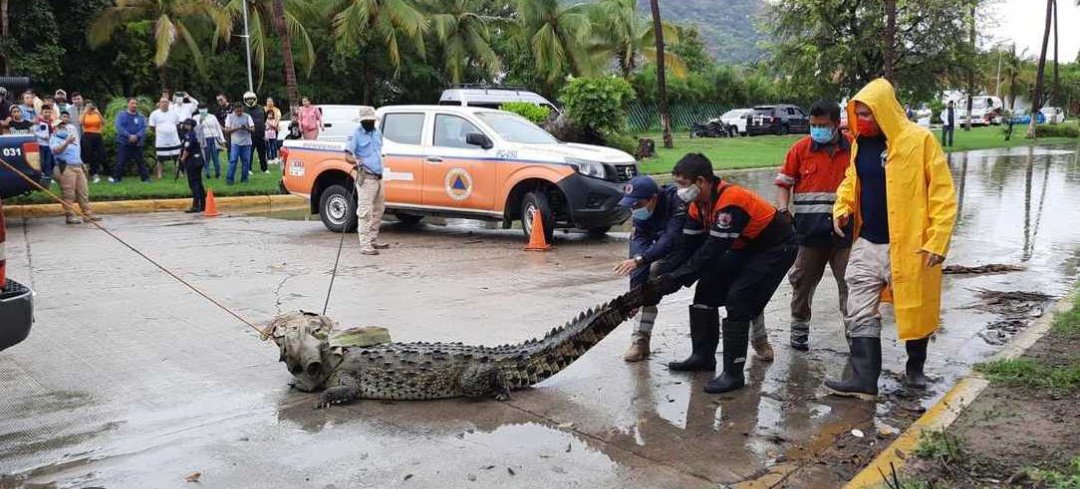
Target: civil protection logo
459,184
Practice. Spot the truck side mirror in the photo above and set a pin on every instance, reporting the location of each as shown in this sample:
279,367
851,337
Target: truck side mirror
478,139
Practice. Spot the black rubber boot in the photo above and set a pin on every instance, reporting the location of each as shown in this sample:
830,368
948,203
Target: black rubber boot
865,368
704,335
916,353
735,338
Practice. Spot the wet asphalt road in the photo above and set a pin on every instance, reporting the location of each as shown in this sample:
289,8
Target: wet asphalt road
130,380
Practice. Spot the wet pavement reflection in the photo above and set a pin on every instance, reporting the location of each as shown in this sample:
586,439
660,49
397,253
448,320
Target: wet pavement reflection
129,381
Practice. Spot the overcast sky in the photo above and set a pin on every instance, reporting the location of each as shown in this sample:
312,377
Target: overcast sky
1023,20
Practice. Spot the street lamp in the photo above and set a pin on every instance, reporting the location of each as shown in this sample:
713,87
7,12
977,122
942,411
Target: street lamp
247,47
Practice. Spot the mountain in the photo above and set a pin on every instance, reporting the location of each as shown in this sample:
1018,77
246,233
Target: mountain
727,26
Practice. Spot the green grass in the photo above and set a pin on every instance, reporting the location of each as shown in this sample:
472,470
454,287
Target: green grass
1025,372
166,188
1052,479
1068,322
769,151
940,445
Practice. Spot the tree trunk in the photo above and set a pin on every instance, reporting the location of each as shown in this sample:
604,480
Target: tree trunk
889,41
369,80
1036,98
286,52
661,77
1055,91
971,70
4,33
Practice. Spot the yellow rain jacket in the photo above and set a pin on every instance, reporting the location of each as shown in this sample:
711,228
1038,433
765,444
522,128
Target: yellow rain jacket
922,208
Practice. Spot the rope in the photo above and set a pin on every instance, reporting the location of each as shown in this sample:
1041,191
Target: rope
340,245
72,208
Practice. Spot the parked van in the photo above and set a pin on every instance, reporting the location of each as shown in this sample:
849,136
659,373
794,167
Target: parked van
493,98
339,121
468,162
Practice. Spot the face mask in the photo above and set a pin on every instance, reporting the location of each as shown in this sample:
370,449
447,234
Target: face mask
202,111
62,135
822,135
867,128
368,125
249,102
688,194
641,213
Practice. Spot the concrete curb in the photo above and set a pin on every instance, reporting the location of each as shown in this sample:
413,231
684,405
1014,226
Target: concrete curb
944,412
247,203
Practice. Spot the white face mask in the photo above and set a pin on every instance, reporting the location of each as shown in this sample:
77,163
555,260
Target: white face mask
688,194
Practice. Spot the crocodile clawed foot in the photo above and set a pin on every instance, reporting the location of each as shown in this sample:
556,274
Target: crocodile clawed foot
502,396
336,395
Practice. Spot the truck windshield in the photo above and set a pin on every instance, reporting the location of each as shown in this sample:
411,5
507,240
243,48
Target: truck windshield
516,129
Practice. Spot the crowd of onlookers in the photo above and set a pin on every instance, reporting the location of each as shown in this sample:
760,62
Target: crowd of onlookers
244,131
70,134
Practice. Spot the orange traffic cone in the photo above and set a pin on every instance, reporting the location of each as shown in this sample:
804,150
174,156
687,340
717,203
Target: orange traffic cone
537,242
211,206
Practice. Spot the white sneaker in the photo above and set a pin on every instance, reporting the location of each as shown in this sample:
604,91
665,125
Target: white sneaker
97,179
250,172
111,180
266,172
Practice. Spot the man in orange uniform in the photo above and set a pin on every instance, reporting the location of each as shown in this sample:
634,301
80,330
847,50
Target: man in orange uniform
738,248
812,171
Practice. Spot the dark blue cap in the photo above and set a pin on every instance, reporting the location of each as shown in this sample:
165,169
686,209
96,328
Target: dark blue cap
638,189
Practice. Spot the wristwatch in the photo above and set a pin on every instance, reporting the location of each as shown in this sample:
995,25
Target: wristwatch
639,260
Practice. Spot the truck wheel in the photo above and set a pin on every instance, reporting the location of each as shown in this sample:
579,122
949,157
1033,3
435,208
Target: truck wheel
539,201
782,131
337,209
408,219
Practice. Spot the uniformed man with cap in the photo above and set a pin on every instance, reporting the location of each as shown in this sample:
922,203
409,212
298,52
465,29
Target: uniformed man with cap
364,149
192,161
658,217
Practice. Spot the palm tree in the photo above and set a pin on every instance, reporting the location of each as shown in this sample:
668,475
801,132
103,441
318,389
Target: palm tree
280,25
1037,98
464,36
661,78
173,23
1014,68
261,22
377,23
557,36
632,38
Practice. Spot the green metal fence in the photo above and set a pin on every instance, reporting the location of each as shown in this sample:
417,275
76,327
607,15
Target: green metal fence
645,117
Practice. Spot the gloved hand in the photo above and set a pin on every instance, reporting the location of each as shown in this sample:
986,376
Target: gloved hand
655,289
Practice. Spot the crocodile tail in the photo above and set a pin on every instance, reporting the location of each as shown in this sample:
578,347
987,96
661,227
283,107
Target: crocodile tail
537,360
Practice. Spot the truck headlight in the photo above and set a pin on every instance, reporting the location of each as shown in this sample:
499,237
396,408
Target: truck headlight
588,168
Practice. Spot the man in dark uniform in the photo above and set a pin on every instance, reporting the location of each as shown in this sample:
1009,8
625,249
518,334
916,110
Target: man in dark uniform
659,217
739,248
191,159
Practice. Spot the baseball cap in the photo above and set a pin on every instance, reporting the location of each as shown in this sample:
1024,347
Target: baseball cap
367,113
638,189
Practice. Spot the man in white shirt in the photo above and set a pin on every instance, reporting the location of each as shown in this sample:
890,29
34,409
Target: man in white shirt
165,123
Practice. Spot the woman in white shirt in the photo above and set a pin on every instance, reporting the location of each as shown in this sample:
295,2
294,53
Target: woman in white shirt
210,135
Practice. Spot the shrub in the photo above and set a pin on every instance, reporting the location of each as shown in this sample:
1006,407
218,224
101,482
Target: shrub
536,113
621,142
598,105
1057,131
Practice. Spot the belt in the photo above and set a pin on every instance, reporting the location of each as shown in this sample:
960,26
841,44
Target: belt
371,174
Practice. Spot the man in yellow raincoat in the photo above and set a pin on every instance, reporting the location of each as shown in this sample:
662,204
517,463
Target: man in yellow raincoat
899,192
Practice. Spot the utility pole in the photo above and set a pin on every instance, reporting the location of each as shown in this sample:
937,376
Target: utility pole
247,47
997,85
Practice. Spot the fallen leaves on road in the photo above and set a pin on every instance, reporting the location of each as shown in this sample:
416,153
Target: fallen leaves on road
981,269
193,477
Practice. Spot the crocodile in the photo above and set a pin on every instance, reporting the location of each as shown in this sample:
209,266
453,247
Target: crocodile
425,371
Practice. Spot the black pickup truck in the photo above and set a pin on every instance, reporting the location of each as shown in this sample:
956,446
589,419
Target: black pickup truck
16,300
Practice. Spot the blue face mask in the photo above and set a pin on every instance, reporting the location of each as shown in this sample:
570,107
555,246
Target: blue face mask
641,213
62,135
822,135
